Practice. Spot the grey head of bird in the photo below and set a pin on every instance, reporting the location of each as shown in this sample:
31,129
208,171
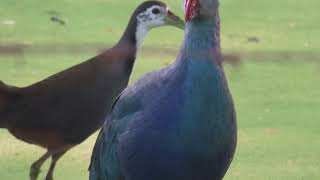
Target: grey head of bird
200,9
151,14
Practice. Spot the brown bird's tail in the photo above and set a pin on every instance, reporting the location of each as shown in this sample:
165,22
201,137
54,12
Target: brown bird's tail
5,96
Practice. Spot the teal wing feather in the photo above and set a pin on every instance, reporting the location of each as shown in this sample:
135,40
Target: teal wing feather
104,163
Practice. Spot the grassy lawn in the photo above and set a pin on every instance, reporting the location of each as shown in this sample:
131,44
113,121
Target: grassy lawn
275,88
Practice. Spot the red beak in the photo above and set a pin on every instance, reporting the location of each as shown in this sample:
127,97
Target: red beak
192,8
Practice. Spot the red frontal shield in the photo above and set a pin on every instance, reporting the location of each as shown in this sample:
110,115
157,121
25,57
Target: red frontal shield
192,8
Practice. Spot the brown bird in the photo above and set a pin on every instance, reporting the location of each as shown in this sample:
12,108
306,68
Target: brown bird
63,110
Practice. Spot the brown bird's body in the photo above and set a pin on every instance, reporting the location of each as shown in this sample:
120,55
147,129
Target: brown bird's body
66,108
73,102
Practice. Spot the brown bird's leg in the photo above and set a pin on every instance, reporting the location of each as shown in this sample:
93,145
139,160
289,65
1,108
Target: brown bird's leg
35,167
55,157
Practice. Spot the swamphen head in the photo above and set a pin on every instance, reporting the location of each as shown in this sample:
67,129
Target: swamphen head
200,9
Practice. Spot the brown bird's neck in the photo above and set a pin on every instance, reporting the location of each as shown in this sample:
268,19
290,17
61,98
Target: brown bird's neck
129,36
126,49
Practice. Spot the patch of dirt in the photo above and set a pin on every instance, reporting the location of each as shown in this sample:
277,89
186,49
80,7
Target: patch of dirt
12,49
271,131
233,58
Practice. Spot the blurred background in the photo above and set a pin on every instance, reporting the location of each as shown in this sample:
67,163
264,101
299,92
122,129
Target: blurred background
272,58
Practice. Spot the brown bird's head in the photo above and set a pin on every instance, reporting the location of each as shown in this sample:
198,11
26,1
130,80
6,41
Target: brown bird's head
155,13
148,15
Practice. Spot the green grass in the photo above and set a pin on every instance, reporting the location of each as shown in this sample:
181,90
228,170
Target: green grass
282,25
277,97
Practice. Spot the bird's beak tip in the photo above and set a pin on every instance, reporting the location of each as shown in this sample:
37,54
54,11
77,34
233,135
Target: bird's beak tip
174,20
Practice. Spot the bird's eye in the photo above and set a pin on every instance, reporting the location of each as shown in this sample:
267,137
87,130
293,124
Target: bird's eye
155,11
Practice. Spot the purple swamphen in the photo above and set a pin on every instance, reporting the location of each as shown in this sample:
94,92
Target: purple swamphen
178,123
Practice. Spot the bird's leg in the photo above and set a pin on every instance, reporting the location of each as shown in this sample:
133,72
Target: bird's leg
35,167
55,157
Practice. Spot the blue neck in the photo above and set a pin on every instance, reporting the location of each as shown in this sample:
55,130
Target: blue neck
202,41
